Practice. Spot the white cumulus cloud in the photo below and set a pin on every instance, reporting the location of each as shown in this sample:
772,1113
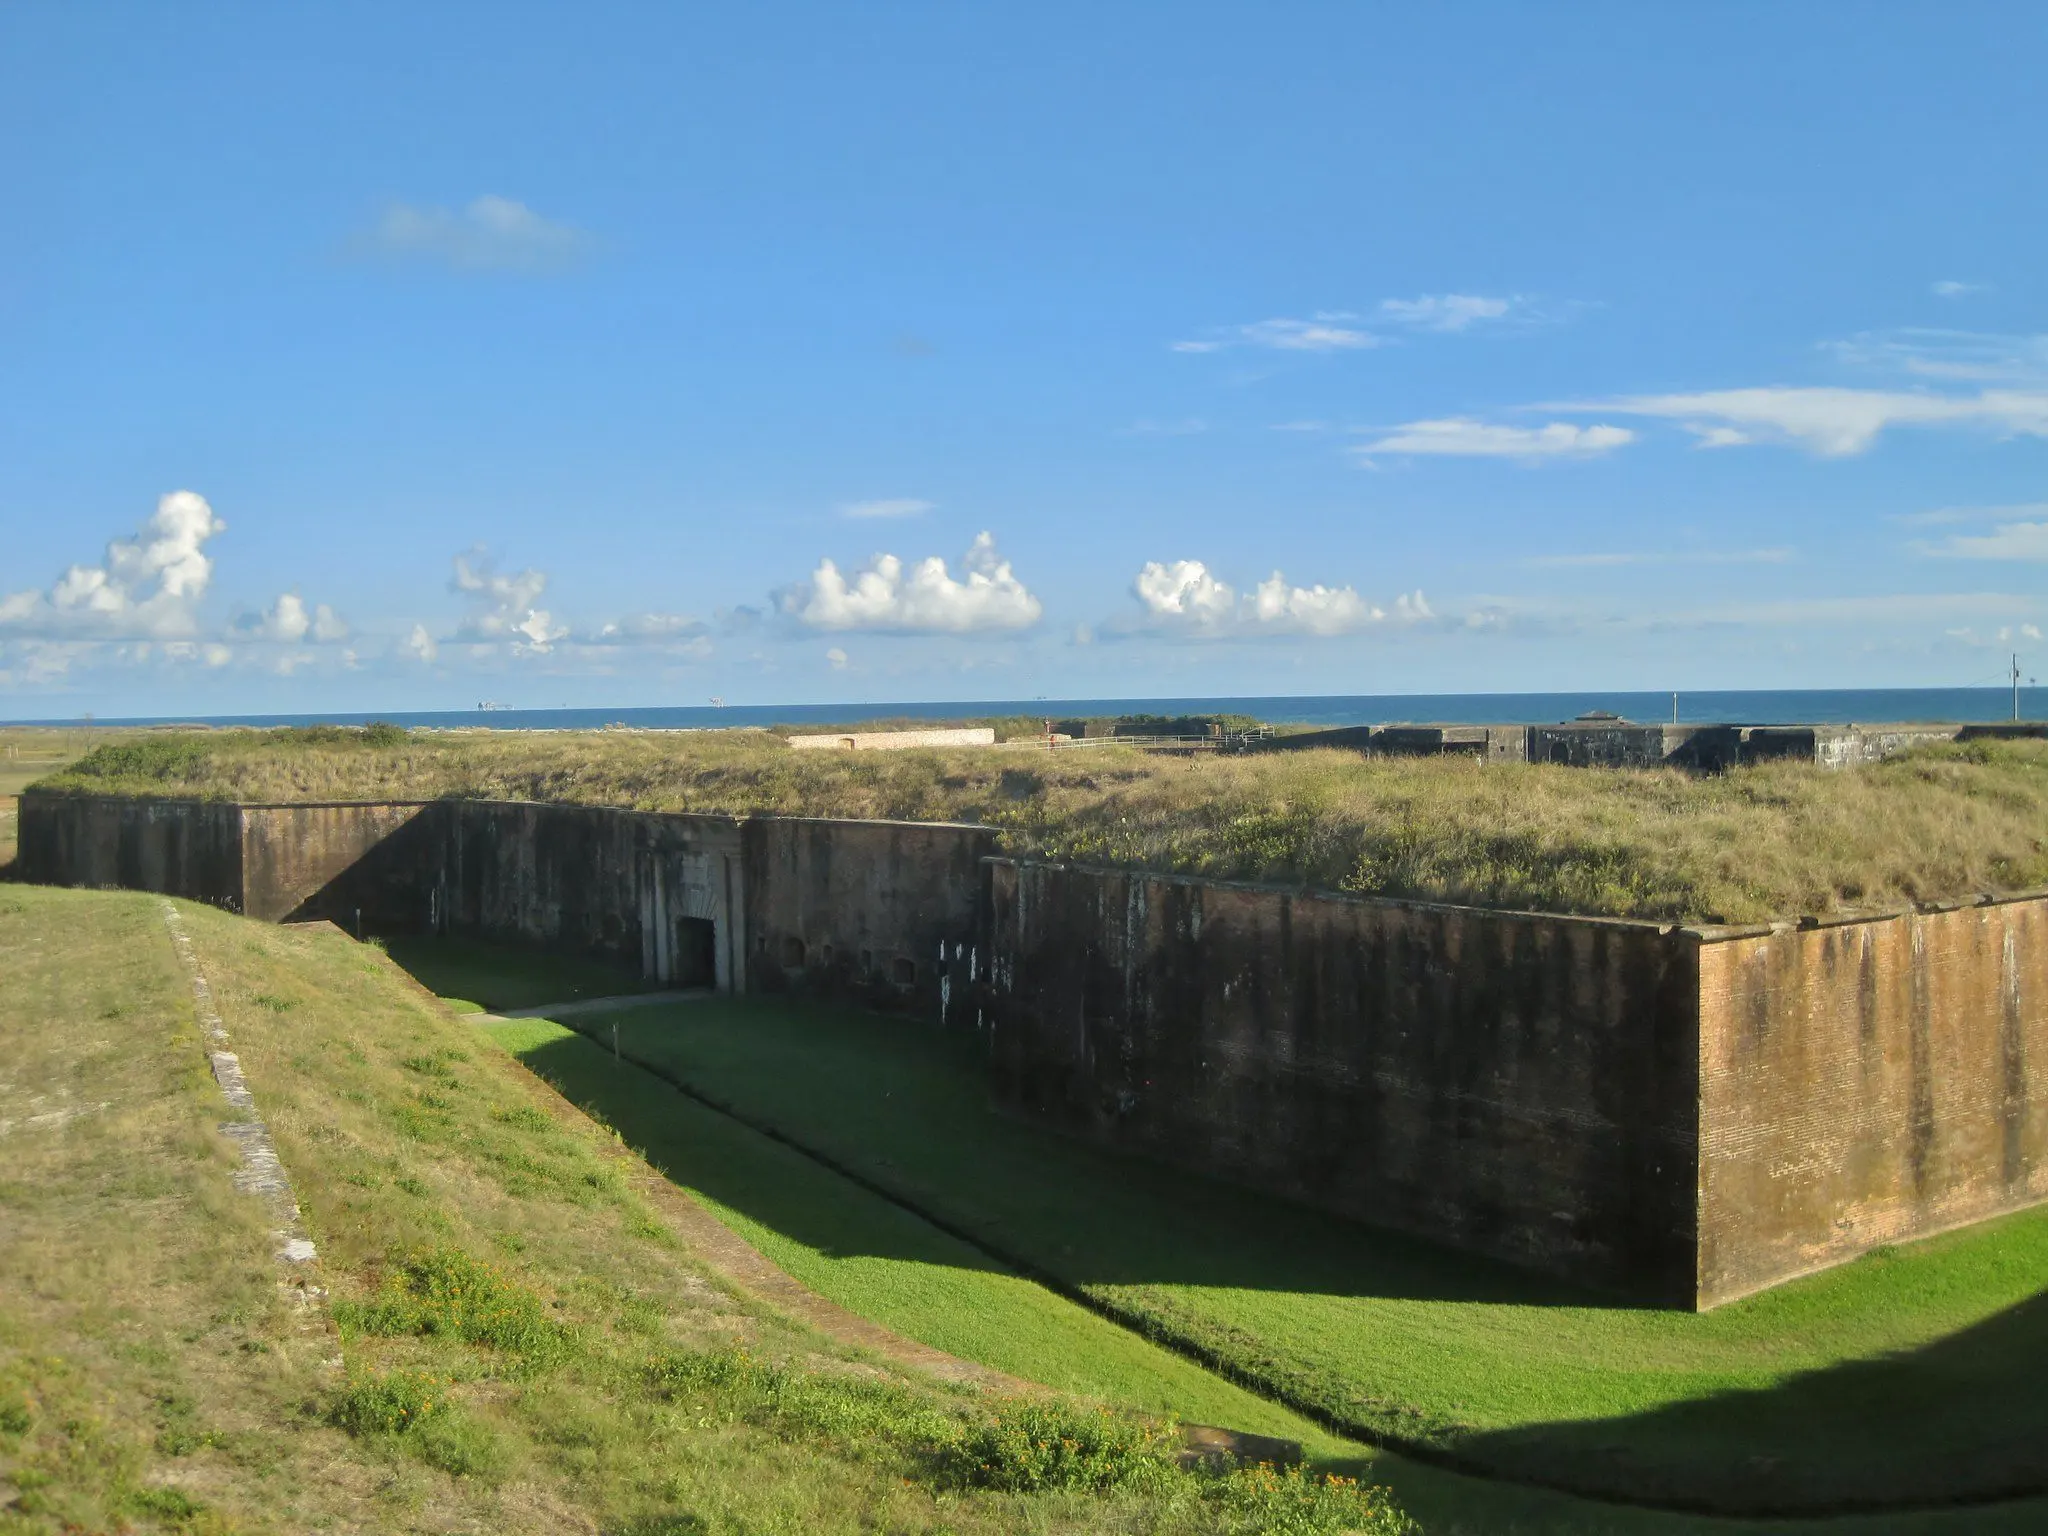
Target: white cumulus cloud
420,645
1186,597
505,606
490,233
1464,437
920,599
1316,610
148,585
1184,590
290,622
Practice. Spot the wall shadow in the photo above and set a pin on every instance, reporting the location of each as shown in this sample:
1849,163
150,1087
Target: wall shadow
764,1180
1961,1420
1957,1421
912,1121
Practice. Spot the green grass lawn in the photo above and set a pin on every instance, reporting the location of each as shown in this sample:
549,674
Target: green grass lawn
1907,1376
882,1261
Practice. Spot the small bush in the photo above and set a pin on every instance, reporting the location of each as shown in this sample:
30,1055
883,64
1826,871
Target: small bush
150,761
444,1293
396,1404
1289,1501
383,733
17,1416
171,1504
853,1410
1029,1447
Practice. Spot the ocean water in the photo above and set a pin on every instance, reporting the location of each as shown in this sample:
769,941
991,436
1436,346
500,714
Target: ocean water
1820,706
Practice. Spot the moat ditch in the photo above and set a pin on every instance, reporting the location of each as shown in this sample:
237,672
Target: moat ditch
886,1180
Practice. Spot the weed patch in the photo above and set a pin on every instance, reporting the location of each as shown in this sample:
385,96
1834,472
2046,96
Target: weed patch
444,1293
1031,1447
389,1404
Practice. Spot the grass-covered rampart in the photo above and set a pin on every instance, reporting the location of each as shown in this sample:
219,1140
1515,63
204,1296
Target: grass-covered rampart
1758,842
502,1332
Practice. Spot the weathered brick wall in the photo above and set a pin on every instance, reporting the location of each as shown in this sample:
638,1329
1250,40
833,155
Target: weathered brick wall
1522,1085
882,912
189,848
1867,1082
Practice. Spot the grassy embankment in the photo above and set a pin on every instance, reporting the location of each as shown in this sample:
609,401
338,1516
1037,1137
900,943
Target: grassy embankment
523,1343
1910,1376
1755,843
31,752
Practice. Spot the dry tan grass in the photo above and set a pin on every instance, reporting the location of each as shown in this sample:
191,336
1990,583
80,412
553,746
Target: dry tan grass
1768,841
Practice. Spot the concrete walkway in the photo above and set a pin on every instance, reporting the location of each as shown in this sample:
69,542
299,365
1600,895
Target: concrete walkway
581,1006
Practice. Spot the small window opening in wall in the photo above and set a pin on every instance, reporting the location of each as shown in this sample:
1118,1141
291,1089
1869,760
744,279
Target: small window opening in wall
793,952
903,971
867,962
825,954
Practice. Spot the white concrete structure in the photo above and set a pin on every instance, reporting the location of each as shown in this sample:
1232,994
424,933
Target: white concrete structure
886,741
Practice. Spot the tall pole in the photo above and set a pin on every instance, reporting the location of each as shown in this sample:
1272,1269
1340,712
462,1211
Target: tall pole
2015,686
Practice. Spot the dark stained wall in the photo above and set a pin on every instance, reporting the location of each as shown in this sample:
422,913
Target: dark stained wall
594,880
368,868
1522,1085
1868,1082
189,848
882,912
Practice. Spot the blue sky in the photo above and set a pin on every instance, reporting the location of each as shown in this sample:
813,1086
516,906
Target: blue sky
384,357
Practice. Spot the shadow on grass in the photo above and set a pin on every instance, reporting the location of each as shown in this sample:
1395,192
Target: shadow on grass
1963,1419
904,1108
498,976
1959,1420
765,1181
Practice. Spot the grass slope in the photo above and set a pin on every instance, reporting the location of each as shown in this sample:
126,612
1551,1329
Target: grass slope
1757,842
522,1345
1911,1375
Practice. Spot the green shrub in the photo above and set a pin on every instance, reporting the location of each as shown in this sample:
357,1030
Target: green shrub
383,733
396,1404
170,1504
1030,1446
444,1293
1265,1500
147,760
